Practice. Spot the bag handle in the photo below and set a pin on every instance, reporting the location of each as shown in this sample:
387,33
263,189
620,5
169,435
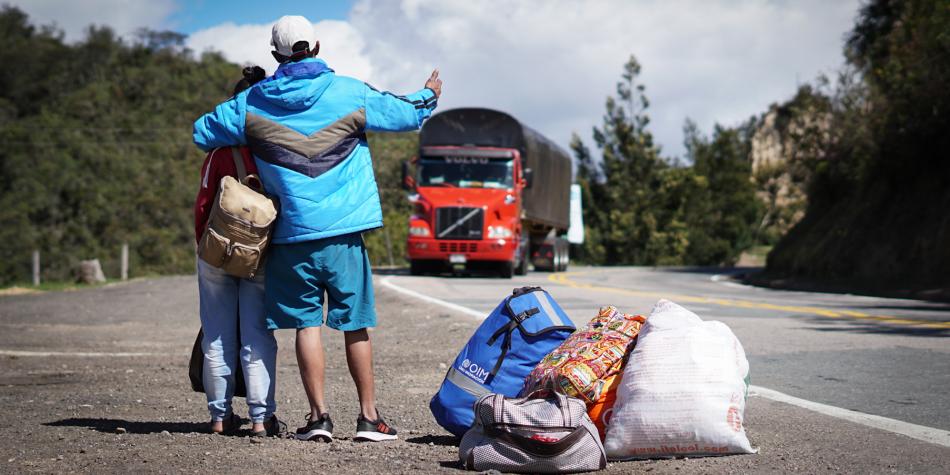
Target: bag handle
498,407
517,318
254,182
560,400
251,181
524,290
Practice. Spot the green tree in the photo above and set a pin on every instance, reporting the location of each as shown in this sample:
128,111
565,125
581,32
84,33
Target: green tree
723,215
622,226
97,148
877,195
389,151
642,210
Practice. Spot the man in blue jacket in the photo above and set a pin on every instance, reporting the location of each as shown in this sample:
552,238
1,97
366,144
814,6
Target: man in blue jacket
306,127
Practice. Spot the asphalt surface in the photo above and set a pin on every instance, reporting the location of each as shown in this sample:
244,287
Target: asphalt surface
96,381
888,357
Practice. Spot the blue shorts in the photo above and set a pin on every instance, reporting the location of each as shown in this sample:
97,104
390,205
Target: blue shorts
297,275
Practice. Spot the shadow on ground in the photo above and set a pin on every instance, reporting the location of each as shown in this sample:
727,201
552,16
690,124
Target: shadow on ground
870,327
730,271
132,427
443,440
454,464
761,278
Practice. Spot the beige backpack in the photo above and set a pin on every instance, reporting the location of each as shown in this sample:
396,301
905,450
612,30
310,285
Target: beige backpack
239,225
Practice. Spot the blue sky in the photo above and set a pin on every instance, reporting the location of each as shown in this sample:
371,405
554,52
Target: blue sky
550,63
196,15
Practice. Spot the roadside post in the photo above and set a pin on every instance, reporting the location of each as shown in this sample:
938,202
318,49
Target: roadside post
124,266
36,268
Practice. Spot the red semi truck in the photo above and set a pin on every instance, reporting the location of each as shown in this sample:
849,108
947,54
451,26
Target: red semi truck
488,193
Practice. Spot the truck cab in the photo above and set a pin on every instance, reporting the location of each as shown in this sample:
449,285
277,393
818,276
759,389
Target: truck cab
475,203
467,209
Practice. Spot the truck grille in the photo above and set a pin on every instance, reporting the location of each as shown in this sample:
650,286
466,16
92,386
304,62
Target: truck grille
458,222
458,247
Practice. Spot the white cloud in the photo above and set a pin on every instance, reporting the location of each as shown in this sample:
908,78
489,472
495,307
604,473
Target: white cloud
553,63
340,45
73,17
550,63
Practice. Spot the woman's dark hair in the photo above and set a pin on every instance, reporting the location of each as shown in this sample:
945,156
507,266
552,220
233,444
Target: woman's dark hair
301,50
252,75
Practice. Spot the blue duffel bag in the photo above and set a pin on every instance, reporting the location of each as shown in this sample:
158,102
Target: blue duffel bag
522,330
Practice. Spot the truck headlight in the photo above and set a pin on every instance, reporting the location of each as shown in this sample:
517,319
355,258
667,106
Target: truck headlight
419,231
499,232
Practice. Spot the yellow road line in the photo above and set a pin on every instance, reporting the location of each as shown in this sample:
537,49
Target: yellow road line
565,279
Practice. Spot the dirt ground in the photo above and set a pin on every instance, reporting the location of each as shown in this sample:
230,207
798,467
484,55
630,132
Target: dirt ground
66,408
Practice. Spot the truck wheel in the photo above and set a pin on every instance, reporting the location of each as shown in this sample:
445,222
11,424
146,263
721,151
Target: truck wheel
507,269
522,268
565,255
556,260
417,268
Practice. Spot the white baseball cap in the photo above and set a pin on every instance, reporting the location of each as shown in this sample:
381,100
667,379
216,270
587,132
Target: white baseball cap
290,30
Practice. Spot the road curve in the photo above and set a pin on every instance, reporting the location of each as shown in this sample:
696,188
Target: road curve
886,357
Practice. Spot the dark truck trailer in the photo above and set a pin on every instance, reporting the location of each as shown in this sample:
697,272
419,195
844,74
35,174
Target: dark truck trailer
454,146
547,204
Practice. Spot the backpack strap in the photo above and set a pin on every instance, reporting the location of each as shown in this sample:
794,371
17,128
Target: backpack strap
239,163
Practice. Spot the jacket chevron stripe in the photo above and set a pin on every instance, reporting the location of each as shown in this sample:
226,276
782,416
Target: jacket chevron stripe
306,128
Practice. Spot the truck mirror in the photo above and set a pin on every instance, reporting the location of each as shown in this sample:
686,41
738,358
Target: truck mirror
528,177
408,183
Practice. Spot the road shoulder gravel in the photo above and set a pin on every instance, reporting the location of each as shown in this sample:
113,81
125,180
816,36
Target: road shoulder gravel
61,413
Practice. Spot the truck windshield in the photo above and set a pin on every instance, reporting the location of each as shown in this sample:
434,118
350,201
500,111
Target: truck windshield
466,172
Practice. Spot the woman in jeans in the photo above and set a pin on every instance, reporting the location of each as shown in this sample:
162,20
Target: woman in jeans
227,302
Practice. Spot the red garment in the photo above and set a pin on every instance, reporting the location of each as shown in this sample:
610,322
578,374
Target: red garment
218,164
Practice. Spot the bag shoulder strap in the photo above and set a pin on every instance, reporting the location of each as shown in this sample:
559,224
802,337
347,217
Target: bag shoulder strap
239,163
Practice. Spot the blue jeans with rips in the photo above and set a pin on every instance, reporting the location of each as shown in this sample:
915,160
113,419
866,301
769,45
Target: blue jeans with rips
226,301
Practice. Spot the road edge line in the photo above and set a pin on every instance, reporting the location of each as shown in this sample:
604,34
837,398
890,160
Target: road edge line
412,293
914,431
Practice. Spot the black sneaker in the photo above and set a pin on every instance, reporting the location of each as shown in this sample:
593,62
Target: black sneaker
374,431
320,429
274,427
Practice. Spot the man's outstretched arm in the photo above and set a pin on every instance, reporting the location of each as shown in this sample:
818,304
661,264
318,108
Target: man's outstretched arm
222,127
388,112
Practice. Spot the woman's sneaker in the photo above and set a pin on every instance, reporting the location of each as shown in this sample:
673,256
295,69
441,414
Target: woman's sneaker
374,431
320,429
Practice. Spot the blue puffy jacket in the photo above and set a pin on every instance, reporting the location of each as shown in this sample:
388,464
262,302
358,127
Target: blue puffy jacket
306,127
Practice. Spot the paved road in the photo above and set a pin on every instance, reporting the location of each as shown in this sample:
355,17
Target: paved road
93,381
887,357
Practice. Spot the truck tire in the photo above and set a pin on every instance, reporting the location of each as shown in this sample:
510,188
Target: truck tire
565,255
417,267
522,268
507,270
556,258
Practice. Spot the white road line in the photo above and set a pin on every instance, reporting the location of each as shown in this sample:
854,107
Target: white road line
71,353
926,434
412,293
914,431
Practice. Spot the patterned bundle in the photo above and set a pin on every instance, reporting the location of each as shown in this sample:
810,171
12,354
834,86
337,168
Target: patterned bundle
586,365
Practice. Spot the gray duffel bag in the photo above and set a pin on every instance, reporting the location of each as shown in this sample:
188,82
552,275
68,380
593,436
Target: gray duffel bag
550,434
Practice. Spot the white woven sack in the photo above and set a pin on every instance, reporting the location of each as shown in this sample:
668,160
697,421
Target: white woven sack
683,390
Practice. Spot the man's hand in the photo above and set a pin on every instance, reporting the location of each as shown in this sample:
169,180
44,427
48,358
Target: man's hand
435,83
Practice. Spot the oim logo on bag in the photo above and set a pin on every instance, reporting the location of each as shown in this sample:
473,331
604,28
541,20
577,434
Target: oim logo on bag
474,371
